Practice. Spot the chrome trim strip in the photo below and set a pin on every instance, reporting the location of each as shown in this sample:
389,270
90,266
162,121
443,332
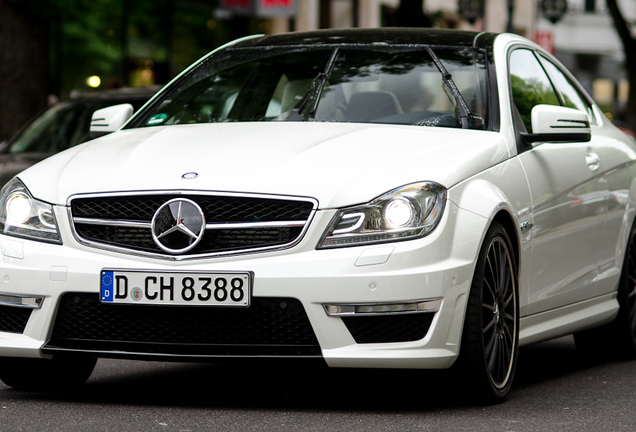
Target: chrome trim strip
138,253
113,222
255,225
27,302
210,226
383,309
147,355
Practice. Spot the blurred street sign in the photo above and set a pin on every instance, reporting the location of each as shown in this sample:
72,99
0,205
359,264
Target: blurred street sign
545,39
237,6
267,8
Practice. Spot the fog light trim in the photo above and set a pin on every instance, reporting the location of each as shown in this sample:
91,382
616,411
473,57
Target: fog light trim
375,309
29,302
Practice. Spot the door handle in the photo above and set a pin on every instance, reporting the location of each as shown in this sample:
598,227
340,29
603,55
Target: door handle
592,160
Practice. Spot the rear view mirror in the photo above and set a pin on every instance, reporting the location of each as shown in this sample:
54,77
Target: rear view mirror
110,119
552,123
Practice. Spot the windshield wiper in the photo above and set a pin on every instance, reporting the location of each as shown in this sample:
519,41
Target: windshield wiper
317,86
447,79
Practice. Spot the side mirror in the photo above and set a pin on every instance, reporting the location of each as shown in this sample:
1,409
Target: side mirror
552,123
110,119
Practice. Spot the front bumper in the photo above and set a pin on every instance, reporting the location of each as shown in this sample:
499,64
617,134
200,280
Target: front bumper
438,266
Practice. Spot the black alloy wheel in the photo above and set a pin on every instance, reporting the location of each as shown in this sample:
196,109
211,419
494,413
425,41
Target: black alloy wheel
618,338
491,331
627,297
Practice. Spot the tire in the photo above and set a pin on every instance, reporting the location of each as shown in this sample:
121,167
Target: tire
625,322
490,340
619,337
50,375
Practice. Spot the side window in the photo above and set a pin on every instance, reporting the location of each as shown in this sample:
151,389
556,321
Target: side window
571,96
530,86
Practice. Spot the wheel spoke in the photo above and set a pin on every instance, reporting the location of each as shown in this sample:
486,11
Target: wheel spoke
503,271
493,353
505,356
492,292
497,264
489,346
492,322
632,317
492,271
508,334
507,302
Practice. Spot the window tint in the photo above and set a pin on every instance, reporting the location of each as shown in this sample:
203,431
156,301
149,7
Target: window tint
530,85
571,97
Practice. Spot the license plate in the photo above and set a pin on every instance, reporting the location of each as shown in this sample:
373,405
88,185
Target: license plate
176,288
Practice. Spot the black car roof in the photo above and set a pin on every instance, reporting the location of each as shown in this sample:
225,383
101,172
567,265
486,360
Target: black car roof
389,35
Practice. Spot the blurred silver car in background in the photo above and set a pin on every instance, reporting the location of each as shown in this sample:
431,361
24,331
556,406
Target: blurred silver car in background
62,125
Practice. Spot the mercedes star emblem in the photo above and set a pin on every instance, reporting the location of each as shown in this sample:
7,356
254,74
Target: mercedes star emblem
178,225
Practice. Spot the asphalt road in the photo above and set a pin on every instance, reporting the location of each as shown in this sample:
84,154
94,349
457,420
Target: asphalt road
556,390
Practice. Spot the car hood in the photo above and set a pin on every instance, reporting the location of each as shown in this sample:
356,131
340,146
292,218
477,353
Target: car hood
338,164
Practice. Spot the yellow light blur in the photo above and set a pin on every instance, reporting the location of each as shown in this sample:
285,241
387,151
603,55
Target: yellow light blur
94,81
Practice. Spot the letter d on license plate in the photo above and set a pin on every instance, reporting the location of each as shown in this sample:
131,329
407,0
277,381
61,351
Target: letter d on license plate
176,288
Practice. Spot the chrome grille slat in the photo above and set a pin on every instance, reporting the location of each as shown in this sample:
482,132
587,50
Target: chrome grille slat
110,222
212,226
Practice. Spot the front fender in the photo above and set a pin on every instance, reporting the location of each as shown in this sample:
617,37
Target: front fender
501,193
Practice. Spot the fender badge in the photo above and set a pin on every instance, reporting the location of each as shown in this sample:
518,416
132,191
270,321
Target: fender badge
190,176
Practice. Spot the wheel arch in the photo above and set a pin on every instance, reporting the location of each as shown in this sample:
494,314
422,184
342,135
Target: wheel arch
508,222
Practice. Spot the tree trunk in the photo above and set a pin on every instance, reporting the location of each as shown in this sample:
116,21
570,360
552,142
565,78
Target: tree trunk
24,66
629,48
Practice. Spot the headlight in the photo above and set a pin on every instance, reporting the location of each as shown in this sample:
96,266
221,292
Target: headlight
21,215
405,213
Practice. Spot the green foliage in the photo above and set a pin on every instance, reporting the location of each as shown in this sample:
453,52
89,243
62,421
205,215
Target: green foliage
89,43
526,94
119,39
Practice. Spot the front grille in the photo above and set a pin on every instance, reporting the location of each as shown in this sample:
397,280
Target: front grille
389,328
125,222
14,319
269,327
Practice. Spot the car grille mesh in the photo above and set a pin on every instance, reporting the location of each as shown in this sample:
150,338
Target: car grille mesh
389,328
136,210
267,326
14,319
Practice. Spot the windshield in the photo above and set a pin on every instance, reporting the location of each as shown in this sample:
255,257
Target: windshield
414,85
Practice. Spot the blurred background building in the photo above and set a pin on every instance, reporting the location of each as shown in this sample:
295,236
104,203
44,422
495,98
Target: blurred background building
58,48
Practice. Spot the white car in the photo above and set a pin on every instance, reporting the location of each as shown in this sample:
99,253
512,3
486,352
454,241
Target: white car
382,198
